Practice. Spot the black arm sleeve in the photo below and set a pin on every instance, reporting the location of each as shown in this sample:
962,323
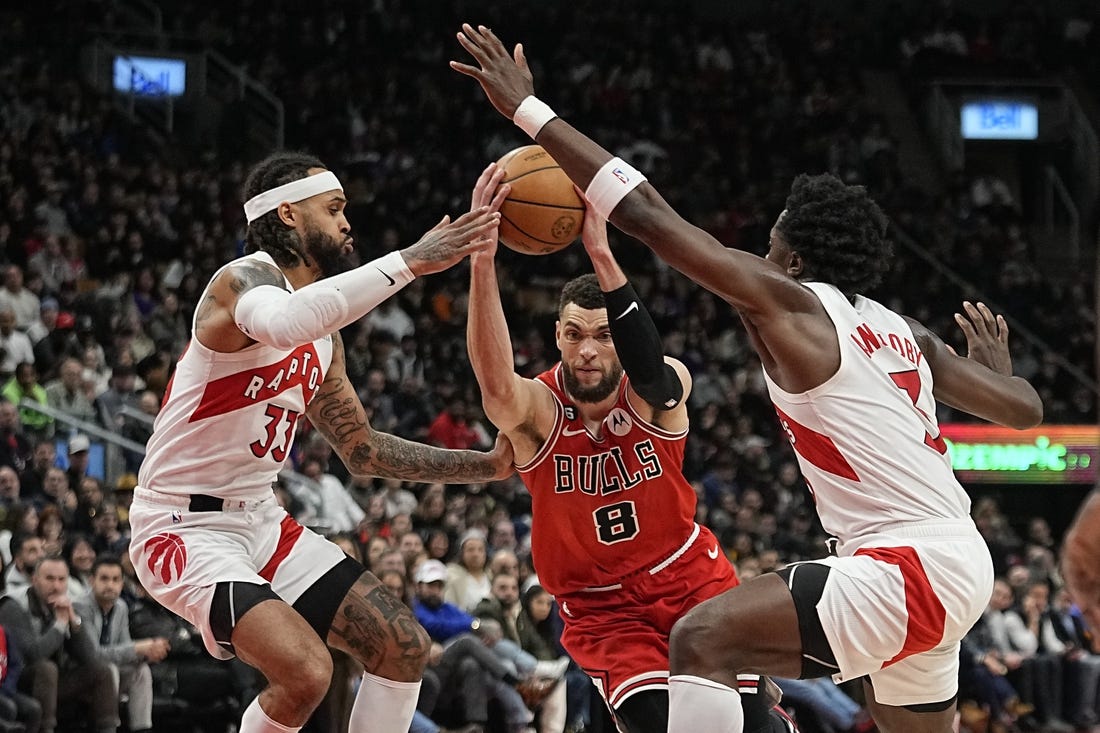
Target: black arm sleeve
640,350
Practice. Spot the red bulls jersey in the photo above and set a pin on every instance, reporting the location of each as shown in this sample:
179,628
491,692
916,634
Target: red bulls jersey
228,420
609,505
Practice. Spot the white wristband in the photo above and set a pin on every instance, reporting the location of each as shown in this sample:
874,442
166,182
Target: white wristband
611,183
532,114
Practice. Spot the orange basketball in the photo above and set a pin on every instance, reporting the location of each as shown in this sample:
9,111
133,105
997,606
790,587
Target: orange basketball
543,213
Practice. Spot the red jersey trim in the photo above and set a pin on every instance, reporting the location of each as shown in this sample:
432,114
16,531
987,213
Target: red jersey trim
642,422
927,616
656,680
289,532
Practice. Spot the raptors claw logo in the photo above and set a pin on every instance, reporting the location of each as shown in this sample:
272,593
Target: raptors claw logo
167,556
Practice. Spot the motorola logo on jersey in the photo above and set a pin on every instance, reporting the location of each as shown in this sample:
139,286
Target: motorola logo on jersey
618,421
610,472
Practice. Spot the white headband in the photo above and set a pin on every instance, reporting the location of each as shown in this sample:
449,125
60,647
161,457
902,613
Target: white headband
292,192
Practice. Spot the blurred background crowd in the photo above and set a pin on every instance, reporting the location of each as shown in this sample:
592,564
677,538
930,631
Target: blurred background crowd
111,225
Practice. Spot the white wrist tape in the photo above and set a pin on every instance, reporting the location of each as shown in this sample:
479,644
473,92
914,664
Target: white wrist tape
532,114
285,320
611,183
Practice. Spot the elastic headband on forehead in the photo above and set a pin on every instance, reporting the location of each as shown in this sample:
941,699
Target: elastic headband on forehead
292,192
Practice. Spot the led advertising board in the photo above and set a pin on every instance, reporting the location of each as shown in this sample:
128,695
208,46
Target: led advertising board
1049,454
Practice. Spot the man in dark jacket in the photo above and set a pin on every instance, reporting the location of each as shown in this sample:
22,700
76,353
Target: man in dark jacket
62,663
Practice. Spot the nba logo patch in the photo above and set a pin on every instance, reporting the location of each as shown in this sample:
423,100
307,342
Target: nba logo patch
177,516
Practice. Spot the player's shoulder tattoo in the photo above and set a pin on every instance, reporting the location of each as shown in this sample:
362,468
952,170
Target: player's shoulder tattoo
247,275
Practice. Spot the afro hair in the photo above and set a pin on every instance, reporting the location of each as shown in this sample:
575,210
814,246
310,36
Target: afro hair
839,232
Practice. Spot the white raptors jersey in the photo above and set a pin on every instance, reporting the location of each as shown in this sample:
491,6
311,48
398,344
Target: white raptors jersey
867,439
227,422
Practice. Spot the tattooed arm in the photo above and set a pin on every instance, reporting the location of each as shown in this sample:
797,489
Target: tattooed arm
215,327
337,412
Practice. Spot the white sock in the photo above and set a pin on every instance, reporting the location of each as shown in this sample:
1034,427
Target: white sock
382,705
697,705
255,720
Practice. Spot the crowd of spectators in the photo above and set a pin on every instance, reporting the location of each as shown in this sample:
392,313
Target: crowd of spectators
107,236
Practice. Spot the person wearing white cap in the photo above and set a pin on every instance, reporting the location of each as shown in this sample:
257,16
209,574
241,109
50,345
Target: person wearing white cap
210,541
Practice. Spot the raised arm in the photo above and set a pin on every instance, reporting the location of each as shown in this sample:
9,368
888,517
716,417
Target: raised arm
249,302
511,402
659,384
750,283
981,383
337,412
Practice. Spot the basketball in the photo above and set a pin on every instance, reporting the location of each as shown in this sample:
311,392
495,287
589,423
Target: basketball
542,213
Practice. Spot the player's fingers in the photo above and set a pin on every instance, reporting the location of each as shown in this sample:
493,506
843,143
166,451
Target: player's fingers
498,198
966,326
467,42
442,223
973,314
486,175
480,224
520,57
1002,329
467,70
470,216
492,43
951,349
472,34
988,317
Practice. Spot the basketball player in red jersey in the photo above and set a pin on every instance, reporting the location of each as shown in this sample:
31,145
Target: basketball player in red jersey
209,541
855,387
599,442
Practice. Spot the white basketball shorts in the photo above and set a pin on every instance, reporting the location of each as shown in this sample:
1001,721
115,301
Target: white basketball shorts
180,555
896,605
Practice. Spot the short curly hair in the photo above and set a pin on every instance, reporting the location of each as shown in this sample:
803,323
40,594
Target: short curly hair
268,232
584,291
839,232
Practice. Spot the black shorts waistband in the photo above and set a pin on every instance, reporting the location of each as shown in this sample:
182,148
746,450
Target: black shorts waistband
204,503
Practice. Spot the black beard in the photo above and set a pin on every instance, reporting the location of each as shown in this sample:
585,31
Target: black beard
591,395
327,253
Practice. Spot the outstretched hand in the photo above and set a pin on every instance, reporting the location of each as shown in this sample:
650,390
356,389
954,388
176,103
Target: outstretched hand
489,193
505,78
986,337
448,242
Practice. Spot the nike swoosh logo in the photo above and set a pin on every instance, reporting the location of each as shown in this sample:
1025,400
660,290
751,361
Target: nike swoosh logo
712,553
391,280
632,307
567,432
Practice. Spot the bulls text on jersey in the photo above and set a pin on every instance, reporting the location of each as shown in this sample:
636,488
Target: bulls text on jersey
606,473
